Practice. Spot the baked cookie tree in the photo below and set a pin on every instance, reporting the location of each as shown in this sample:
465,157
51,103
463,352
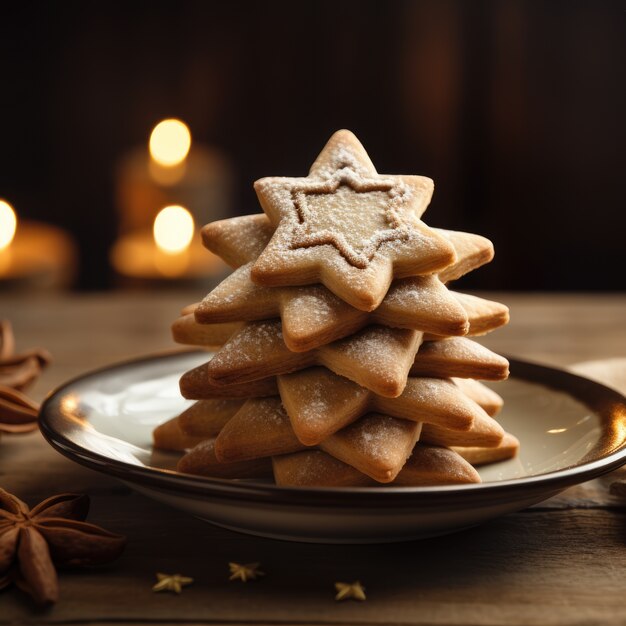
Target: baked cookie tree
343,358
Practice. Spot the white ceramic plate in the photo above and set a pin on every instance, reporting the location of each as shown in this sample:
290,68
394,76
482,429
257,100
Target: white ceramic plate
571,429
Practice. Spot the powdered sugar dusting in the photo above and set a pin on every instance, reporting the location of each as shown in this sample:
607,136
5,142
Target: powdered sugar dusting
462,349
251,344
382,438
435,397
319,406
352,213
410,292
342,156
313,308
343,203
238,240
379,349
235,288
320,398
267,411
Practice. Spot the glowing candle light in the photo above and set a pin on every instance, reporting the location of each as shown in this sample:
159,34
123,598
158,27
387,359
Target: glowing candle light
171,167
172,251
173,229
170,142
35,254
170,173
8,224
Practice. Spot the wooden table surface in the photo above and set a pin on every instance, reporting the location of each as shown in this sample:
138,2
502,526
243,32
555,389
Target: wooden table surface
560,562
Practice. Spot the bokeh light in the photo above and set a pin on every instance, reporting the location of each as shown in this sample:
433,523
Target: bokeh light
8,224
170,142
173,229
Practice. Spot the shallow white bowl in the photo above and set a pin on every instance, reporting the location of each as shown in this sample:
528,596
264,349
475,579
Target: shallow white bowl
571,429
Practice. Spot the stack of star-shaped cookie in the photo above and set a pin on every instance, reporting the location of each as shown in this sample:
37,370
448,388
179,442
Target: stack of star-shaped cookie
343,358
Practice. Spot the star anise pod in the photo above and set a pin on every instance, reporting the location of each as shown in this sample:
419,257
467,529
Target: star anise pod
33,541
18,414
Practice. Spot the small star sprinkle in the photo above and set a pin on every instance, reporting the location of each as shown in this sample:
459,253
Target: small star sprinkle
246,572
171,582
347,591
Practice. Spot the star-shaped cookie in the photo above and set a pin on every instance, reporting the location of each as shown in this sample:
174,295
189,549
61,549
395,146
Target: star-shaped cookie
457,357
376,357
478,455
433,397
427,465
312,316
186,330
170,436
196,385
484,432
201,461
485,397
311,320
319,403
377,445
348,227
317,412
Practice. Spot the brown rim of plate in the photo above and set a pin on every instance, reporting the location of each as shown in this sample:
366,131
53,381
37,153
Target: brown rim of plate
608,454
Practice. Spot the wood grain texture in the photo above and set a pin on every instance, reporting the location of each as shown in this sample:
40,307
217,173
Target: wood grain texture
560,562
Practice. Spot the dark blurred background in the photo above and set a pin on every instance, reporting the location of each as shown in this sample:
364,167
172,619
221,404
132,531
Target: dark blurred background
515,108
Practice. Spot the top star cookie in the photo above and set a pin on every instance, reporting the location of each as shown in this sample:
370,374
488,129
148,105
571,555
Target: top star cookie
348,227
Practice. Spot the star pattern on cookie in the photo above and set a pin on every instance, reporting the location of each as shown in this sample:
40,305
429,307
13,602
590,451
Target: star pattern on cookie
171,582
348,227
244,572
356,196
350,591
